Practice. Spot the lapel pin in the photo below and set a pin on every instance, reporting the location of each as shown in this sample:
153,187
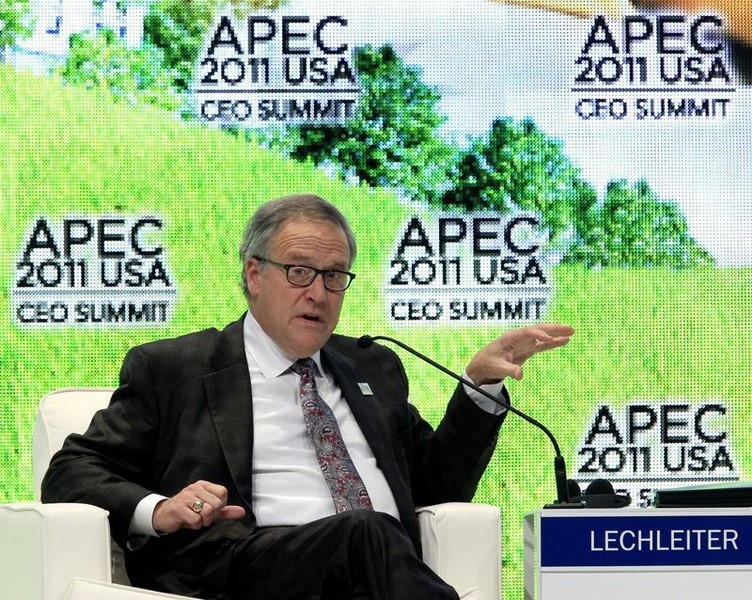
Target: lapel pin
365,389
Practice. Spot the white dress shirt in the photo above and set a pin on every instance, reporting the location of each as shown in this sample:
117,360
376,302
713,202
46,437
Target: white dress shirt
288,486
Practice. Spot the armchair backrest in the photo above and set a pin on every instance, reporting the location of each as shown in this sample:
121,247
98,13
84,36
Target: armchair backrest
60,413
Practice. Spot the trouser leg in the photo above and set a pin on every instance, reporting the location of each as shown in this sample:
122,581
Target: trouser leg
355,555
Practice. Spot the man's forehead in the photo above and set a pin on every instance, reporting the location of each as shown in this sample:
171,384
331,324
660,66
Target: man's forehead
299,238
305,226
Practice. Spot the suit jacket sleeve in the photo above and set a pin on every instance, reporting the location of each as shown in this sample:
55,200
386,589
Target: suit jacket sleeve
182,413
448,463
108,465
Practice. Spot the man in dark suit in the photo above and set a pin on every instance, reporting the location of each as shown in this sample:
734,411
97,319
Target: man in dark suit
274,459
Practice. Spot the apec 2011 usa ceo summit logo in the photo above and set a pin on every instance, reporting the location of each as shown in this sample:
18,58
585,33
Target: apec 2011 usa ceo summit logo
93,271
654,68
466,269
277,69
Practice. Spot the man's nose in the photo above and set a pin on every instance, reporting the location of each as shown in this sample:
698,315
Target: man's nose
317,290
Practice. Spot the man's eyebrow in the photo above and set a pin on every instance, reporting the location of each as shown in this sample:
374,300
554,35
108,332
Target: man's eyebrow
299,259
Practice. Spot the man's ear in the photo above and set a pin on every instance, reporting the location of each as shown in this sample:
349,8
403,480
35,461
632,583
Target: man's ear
252,276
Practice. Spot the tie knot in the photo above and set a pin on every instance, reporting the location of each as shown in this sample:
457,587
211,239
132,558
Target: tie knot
304,366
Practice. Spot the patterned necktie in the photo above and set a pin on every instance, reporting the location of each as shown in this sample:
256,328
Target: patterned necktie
345,484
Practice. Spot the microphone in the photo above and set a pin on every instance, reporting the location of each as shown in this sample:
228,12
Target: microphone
560,470
573,488
600,494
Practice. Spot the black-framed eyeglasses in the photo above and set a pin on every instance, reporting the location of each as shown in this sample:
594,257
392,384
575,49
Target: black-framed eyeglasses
303,275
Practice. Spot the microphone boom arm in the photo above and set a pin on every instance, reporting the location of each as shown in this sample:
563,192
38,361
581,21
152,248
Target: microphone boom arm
560,472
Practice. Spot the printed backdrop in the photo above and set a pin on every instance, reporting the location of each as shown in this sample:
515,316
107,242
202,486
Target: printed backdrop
502,163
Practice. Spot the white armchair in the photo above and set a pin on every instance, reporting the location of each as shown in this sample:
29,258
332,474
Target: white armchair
64,552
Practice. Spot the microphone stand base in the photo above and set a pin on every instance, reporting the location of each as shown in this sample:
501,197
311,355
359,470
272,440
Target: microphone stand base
565,505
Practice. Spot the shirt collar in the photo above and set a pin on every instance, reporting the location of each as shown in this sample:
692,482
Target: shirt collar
269,357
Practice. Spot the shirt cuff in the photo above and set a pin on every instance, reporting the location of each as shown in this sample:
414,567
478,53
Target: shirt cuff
141,521
486,404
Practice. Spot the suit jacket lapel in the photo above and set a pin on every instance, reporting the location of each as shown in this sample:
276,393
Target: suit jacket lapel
228,396
344,372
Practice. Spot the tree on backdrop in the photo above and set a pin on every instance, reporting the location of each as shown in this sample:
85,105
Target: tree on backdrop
14,23
393,140
102,61
634,228
516,167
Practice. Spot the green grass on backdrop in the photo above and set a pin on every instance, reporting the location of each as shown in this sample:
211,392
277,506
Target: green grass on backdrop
641,334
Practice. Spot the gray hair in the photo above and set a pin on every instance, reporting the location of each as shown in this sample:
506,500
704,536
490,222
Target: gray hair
272,215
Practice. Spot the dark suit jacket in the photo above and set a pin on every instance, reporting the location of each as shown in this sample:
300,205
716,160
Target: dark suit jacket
184,412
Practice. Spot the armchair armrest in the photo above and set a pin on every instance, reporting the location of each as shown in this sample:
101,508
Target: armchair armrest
84,589
462,544
62,551
44,546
